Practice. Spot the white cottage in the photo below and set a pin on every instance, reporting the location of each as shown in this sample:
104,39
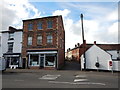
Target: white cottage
12,46
97,58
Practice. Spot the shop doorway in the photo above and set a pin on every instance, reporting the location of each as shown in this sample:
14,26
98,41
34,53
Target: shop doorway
12,61
41,62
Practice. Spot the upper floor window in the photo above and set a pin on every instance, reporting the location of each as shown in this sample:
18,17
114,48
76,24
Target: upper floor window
10,47
30,26
39,39
49,23
11,36
29,40
39,25
49,39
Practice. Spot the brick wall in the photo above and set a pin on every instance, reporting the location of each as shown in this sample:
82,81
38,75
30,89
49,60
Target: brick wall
57,32
61,43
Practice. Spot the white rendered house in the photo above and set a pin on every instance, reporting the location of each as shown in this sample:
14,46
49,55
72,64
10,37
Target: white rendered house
12,46
96,55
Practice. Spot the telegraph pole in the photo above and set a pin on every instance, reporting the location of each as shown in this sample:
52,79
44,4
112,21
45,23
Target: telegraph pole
83,42
82,27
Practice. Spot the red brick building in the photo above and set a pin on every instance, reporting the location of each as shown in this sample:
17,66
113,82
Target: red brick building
80,49
43,43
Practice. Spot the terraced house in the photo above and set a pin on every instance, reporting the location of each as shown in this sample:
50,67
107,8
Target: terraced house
11,46
43,43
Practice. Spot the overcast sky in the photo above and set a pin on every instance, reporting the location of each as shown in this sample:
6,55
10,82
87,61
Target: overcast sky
100,18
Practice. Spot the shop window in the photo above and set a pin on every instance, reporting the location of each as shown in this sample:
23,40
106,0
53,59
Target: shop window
34,60
14,61
29,40
50,60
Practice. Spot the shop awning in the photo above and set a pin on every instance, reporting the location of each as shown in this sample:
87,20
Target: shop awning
42,52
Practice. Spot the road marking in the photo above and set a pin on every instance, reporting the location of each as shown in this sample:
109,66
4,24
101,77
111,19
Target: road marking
50,77
81,76
18,80
57,82
79,80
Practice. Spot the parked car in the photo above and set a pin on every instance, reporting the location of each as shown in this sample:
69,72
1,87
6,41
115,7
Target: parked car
2,64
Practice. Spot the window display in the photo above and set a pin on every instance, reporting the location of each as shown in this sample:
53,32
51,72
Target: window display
50,60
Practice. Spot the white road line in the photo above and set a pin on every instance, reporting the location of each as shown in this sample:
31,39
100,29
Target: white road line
50,77
81,76
79,80
85,83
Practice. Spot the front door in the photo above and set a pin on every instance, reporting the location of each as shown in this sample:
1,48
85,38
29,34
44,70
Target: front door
7,62
41,62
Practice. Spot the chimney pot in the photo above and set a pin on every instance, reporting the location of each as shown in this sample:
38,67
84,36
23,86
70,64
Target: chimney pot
78,44
75,45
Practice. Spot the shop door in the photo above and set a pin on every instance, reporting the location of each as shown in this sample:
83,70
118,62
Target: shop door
41,62
24,63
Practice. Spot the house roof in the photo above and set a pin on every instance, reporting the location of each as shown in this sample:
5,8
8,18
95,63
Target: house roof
12,29
42,18
94,45
102,46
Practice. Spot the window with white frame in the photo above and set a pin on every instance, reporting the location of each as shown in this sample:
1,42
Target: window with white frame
39,39
34,60
10,47
29,40
49,39
50,60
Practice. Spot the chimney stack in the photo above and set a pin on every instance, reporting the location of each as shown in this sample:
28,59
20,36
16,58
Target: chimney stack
84,42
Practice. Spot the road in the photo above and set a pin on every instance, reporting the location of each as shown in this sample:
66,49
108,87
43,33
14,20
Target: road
58,79
71,65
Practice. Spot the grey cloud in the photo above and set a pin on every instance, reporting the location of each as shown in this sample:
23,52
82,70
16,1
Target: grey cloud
8,16
105,37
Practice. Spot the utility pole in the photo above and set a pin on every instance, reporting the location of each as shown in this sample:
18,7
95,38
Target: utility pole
83,42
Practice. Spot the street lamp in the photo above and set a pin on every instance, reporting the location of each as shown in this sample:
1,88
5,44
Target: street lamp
83,42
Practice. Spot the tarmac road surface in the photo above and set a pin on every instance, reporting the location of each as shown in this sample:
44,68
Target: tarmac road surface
28,78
